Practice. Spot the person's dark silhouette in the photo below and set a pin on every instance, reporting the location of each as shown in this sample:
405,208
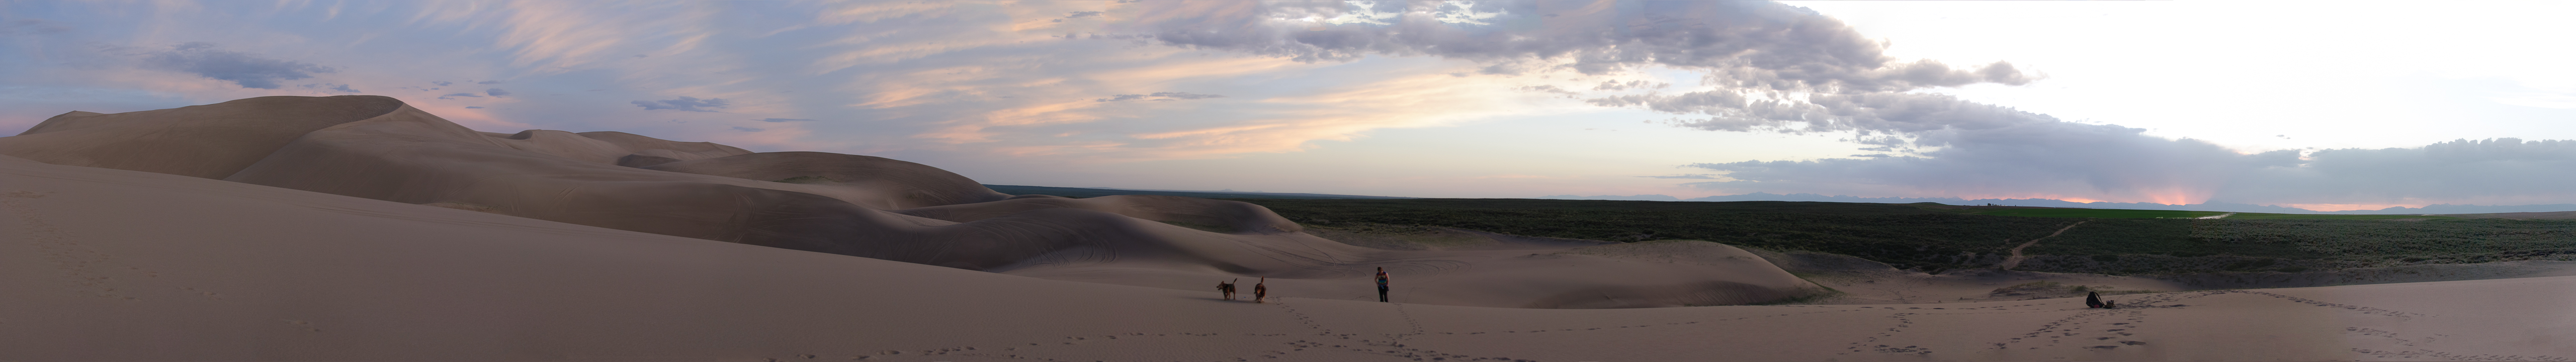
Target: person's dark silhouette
1381,284
2094,300
1261,291
1227,287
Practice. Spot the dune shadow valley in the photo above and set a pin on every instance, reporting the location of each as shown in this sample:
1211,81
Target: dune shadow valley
361,228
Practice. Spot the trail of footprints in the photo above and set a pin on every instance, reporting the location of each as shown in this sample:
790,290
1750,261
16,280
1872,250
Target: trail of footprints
86,270
2100,329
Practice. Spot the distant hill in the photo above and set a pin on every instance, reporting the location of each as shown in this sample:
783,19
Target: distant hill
2213,206
1082,192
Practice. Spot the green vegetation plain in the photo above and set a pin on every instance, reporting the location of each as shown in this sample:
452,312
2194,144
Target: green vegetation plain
1936,237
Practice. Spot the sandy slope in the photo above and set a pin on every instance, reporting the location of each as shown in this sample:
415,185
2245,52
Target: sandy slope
105,264
378,148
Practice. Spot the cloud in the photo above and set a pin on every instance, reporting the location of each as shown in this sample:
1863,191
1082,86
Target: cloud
748,129
247,70
1742,43
487,82
1077,15
1686,176
473,107
2114,164
1166,96
692,104
2500,171
777,120
442,84
1614,86
2110,163
32,27
2047,159
459,95
496,92
343,88
1185,95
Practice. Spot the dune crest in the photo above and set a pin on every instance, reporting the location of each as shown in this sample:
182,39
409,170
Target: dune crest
379,148
208,141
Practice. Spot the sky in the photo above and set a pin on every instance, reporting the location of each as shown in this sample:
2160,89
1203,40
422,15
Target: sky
2319,105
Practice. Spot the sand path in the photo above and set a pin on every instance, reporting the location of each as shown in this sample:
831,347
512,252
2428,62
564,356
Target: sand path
2016,258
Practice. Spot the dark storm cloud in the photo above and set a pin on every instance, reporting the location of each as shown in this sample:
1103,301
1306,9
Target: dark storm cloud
496,92
1867,113
2114,162
2049,157
247,70
1769,67
2501,171
1740,43
692,104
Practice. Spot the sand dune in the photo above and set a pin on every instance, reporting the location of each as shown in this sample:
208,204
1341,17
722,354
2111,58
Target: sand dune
377,148
106,264
209,141
873,182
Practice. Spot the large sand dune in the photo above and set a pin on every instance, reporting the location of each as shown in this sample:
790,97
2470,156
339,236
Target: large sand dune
378,148
105,264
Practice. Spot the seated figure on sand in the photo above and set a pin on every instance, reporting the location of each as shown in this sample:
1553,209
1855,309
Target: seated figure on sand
2094,300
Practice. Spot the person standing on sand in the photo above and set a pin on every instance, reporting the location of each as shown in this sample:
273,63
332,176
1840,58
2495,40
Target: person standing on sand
1227,287
1261,291
1381,284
